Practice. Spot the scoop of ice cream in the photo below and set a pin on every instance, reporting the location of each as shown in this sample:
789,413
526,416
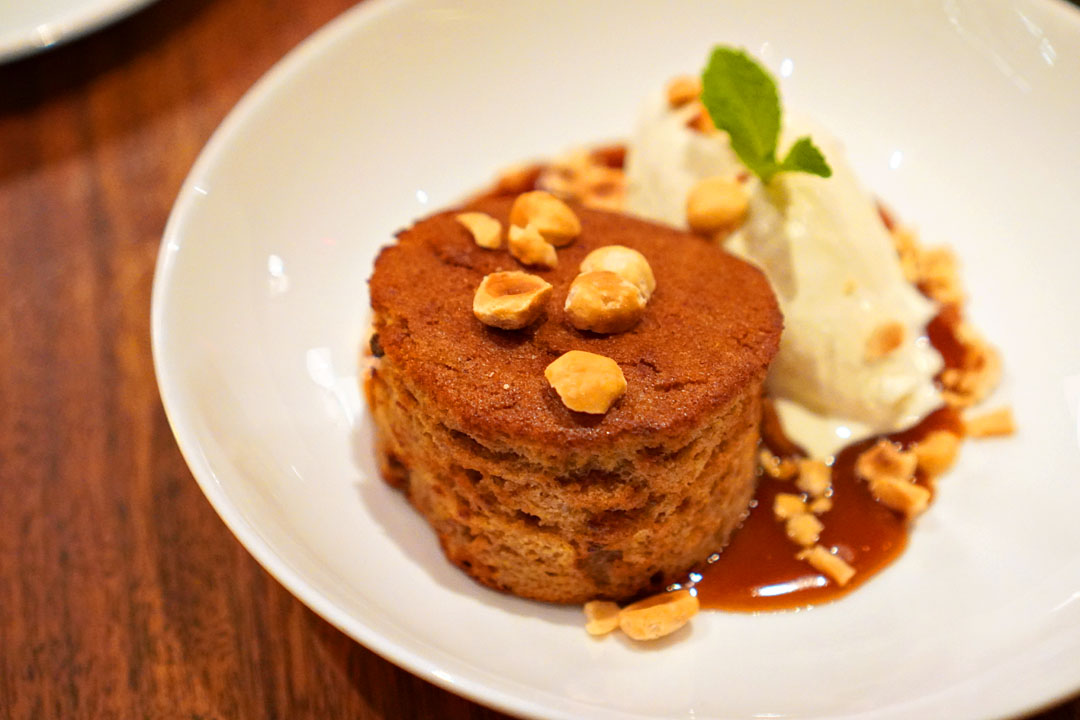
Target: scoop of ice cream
854,346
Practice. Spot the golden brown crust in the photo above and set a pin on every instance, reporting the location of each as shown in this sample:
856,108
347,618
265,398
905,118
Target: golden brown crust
711,327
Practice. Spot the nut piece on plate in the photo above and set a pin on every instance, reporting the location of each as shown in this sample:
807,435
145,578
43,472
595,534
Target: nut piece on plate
625,262
803,528
682,90
777,467
659,615
586,382
716,204
992,424
510,300
937,451
603,302
886,460
530,248
551,217
824,561
787,505
601,617
815,478
890,472
486,230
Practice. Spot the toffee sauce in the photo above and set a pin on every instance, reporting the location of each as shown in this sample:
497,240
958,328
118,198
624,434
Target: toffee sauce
758,570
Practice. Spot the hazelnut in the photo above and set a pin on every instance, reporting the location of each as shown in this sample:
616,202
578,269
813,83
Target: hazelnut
886,460
701,121
716,204
603,302
510,300
815,478
904,497
601,617
776,467
659,615
824,561
992,424
625,262
486,230
682,90
787,505
936,452
803,529
530,248
586,382
551,217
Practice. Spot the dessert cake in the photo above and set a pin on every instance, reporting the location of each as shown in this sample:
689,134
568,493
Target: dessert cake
526,495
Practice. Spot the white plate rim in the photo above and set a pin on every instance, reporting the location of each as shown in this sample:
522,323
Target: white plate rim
89,16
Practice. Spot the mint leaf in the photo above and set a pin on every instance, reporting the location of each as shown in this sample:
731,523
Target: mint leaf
804,156
743,101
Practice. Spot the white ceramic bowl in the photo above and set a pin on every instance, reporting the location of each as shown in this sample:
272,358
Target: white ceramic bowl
29,26
960,113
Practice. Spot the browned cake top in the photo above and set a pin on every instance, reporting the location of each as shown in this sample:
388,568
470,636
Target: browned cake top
711,327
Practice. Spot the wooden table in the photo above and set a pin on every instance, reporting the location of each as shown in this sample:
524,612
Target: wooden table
122,595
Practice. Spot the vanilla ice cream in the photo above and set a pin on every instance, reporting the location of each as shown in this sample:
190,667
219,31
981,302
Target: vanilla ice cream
832,263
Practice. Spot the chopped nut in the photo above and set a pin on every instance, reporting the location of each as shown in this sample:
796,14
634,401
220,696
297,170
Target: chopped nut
510,300
625,262
517,179
585,177
886,461
659,615
486,230
978,374
776,467
716,204
815,478
992,424
890,473
586,382
787,505
551,217
820,506
883,340
900,495
682,90
936,452
603,302
701,121
939,275
803,528
601,617
530,248
824,561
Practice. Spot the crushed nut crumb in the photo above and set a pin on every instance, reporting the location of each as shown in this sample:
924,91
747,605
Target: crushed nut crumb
995,423
601,617
936,452
776,467
829,563
815,478
804,529
659,615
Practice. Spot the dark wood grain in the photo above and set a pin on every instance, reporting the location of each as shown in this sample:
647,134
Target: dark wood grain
122,595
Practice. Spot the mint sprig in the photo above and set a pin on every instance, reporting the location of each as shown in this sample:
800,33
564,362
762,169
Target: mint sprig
742,100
